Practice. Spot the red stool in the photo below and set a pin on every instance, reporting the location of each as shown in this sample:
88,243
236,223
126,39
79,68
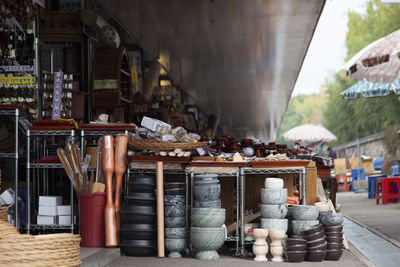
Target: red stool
386,189
345,185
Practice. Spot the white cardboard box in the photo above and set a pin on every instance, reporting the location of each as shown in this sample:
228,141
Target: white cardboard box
8,197
154,124
48,210
64,219
64,210
50,201
46,220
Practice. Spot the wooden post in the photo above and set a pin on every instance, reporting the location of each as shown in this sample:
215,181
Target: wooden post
160,209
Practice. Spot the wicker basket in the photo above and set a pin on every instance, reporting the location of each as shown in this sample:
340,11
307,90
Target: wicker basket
40,250
166,146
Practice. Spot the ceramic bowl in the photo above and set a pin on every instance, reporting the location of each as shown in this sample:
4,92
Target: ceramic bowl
274,211
315,243
333,255
207,241
333,235
322,206
206,192
332,219
174,210
315,236
175,233
175,222
334,246
295,256
175,246
207,217
296,248
313,230
273,196
274,224
295,242
273,183
316,255
317,247
305,212
329,229
298,226
216,204
336,240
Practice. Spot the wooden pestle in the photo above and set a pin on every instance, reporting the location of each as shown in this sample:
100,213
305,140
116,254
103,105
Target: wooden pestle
109,213
121,146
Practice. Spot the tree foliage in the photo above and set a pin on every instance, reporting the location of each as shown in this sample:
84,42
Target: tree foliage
351,119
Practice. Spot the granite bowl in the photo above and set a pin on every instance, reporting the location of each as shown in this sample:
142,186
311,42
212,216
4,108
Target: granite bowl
207,217
295,256
333,255
175,222
305,212
274,211
175,246
207,241
316,255
174,210
332,219
315,236
206,192
174,200
273,196
313,230
273,183
298,226
216,204
274,224
175,233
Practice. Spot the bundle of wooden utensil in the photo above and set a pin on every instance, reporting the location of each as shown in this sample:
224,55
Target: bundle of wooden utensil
77,170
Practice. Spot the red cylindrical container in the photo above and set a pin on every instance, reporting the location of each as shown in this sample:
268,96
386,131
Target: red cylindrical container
91,219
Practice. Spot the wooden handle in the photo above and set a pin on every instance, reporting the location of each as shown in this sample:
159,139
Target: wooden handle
109,213
160,209
121,145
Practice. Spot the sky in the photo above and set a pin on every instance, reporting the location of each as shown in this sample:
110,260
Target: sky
327,50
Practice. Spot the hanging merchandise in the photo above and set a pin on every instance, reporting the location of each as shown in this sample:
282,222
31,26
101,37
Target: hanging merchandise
57,96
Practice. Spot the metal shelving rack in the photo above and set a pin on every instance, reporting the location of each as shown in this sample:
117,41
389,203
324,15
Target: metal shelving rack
14,113
44,166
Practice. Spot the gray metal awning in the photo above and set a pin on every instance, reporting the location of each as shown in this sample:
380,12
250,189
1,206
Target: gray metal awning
239,59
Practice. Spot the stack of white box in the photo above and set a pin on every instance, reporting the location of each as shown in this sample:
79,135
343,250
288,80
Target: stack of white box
51,211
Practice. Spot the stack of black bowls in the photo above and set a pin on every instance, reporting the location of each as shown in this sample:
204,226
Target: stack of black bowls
295,249
334,236
138,218
316,242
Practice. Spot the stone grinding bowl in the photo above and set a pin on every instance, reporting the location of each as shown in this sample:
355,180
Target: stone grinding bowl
336,240
274,224
175,246
298,226
315,236
315,243
295,241
332,219
175,233
305,212
316,255
216,204
175,222
174,210
333,229
334,235
296,248
274,211
313,230
207,217
334,246
333,255
273,196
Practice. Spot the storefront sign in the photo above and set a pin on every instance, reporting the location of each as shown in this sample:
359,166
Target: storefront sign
105,84
134,77
24,68
57,93
24,80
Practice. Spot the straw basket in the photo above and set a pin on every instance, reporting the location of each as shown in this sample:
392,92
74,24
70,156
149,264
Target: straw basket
165,146
40,250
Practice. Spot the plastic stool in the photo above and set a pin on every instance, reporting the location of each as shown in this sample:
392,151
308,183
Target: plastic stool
372,185
389,189
357,174
395,170
345,185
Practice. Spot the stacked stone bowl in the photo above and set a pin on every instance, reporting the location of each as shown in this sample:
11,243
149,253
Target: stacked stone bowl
304,217
274,208
207,232
316,243
295,249
175,219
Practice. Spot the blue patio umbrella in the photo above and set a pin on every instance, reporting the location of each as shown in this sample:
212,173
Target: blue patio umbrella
371,89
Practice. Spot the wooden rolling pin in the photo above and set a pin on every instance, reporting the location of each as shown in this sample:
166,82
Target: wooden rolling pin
121,146
109,212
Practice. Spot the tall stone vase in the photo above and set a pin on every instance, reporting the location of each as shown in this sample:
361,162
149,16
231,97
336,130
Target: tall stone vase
260,246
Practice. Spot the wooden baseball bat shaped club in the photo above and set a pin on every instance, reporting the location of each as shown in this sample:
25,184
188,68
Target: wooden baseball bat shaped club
109,213
121,146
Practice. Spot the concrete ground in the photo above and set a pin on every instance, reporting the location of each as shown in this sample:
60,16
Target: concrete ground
382,218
